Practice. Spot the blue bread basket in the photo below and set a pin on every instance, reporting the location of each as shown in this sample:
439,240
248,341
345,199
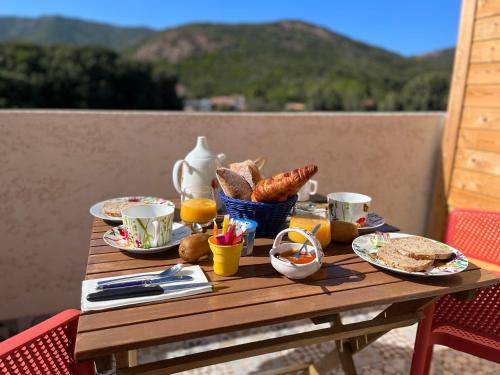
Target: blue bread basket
270,216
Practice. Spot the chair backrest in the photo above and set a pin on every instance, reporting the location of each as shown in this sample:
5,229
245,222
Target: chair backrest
47,348
475,233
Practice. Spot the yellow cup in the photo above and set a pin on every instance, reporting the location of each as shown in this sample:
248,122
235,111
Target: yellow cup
226,258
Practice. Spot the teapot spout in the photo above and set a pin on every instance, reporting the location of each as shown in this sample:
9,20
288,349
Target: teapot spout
201,142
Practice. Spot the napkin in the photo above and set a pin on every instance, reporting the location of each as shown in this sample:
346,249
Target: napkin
90,286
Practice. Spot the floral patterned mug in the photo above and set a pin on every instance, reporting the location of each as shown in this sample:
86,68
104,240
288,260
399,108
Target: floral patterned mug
350,207
150,225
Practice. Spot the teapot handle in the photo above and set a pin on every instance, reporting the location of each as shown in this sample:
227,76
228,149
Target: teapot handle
176,175
221,157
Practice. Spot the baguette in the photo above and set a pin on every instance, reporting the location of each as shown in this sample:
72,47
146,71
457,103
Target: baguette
394,259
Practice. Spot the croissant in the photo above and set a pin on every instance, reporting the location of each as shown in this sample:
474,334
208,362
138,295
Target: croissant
282,186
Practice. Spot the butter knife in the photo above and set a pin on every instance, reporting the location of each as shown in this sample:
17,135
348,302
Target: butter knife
139,291
159,280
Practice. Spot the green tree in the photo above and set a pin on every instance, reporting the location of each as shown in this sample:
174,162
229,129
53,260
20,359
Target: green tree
428,91
324,97
81,77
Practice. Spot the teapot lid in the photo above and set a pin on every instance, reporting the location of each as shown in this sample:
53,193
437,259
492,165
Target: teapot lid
201,149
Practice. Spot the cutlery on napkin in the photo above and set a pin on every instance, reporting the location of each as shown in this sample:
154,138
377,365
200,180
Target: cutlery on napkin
159,280
139,291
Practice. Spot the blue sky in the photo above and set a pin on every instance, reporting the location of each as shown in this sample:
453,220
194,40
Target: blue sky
405,26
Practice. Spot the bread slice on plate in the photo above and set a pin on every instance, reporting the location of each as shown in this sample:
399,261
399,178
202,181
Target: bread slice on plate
114,207
395,259
421,248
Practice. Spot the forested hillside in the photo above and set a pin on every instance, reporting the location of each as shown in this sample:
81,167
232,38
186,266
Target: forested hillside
269,64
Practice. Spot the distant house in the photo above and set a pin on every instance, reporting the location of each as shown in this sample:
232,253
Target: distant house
228,103
295,106
197,105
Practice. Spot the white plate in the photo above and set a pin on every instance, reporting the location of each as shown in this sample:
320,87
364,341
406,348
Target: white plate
96,209
365,249
113,238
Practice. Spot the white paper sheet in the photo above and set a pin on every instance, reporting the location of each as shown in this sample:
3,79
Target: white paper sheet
90,286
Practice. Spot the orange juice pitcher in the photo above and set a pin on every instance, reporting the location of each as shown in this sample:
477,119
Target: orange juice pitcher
308,220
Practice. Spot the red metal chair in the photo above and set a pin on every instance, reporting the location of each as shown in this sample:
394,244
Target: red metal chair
469,326
47,348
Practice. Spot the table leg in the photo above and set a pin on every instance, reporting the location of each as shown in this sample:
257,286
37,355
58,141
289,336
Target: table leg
104,364
345,353
395,309
325,364
126,359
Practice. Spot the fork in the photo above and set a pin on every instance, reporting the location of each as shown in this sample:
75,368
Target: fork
168,272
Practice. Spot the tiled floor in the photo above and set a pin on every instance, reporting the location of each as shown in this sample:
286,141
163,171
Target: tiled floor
391,354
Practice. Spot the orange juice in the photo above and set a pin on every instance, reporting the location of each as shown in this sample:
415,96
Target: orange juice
308,222
198,210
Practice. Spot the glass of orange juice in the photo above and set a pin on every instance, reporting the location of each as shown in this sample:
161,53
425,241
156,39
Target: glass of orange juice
308,220
198,205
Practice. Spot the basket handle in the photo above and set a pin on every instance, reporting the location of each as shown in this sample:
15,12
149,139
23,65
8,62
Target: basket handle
308,235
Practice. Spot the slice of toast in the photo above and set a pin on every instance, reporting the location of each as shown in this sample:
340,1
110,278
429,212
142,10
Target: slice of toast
421,248
394,259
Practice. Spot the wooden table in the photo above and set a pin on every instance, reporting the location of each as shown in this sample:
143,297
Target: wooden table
256,296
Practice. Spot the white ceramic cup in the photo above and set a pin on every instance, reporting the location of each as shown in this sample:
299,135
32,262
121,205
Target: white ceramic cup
151,224
350,207
309,188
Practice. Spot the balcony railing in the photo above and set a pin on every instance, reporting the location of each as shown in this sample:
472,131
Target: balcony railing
55,164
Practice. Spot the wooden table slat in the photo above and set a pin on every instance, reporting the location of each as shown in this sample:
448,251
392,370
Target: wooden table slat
244,292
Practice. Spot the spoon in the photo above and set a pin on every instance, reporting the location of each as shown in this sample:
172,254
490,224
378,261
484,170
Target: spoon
302,248
278,256
171,271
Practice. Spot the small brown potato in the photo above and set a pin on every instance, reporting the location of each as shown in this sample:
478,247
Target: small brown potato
194,247
342,231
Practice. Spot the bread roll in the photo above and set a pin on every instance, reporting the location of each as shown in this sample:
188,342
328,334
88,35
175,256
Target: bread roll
248,170
233,185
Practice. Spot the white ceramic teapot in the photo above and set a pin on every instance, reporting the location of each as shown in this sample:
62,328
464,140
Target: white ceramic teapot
198,168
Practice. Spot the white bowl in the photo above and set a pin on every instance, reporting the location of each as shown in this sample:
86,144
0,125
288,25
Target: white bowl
292,270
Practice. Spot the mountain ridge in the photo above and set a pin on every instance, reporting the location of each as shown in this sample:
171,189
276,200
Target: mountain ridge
270,64
28,31
50,30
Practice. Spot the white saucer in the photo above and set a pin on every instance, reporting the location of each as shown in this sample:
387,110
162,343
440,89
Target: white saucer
373,221
114,238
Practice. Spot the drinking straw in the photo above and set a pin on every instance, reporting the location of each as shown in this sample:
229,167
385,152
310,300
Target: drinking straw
225,224
230,233
238,238
220,239
216,229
